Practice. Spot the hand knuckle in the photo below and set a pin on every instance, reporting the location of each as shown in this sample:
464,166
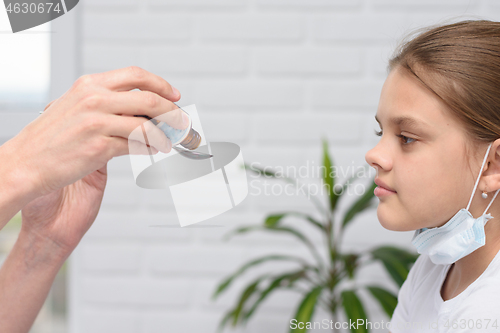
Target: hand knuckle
92,102
83,81
92,124
137,72
121,148
151,100
99,146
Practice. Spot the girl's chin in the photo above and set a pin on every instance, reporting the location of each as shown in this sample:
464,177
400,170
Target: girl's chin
388,226
390,223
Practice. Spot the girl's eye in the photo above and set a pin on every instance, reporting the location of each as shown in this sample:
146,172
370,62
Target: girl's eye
405,139
402,137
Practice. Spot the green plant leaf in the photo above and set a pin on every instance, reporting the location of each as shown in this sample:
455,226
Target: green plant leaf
349,182
408,258
350,263
306,308
395,261
387,300
314,221
295,182
225,320
354,310
262,171
276,283
359,205
227,282
286,230
15,223
244,297
275,219
329,176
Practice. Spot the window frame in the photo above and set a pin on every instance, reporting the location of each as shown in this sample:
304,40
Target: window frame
65,52
65,68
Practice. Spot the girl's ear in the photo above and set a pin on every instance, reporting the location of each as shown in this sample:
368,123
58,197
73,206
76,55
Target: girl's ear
491,174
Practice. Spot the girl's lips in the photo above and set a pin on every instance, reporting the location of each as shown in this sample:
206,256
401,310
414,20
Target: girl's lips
383,185
380,191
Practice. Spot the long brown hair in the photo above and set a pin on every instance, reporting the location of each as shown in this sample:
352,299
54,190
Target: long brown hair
460,63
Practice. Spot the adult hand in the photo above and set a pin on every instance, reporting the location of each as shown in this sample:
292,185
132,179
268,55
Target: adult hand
82,130
62,217
55,170
63,154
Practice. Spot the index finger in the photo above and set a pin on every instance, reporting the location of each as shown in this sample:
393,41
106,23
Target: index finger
133,77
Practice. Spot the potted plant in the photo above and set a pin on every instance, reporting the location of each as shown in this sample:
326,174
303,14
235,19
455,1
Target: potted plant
317,280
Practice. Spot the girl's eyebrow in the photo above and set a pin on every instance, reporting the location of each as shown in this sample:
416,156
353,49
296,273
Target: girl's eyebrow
404,121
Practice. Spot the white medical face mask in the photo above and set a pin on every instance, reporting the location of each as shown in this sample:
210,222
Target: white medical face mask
460,236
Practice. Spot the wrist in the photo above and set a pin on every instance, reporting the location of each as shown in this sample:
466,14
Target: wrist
25,280
40,252
16,182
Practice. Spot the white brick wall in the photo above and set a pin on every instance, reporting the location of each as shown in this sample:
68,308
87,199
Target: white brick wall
270,75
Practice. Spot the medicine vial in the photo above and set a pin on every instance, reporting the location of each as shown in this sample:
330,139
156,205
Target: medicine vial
188,137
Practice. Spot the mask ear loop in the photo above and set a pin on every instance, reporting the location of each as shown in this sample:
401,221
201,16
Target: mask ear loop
477,180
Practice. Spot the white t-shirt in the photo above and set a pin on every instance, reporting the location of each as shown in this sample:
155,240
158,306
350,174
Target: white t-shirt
422,309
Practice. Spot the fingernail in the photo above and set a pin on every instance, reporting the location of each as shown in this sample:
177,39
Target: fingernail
167,148
185,120
176,92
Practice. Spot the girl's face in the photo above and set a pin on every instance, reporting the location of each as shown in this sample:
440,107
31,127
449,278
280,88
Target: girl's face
421,159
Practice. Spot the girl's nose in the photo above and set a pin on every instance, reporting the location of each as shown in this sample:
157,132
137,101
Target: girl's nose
377,158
